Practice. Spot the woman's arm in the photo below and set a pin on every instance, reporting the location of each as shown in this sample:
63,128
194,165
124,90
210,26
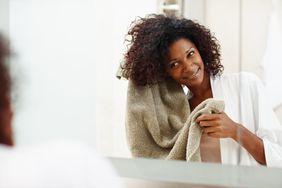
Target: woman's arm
221,126
251,142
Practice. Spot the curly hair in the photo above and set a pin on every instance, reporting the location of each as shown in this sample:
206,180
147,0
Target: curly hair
149,41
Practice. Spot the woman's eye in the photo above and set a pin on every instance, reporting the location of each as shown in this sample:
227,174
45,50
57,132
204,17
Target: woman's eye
173,65
191,53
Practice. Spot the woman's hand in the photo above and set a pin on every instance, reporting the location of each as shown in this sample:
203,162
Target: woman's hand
218,125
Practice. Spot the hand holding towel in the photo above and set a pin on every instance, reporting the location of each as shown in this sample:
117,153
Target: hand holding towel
159,123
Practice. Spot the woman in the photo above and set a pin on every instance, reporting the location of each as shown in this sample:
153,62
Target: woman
247,132
5,93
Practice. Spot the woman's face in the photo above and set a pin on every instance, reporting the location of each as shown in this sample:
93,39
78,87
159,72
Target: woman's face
185,64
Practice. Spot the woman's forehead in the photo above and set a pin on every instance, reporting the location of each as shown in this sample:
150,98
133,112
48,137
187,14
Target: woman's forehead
180,46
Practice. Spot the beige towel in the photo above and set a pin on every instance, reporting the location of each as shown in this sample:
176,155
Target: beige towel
159,123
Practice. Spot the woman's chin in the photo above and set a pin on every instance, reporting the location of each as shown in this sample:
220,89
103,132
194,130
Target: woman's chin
194,82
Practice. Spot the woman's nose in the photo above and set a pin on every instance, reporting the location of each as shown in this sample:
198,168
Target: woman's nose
188,66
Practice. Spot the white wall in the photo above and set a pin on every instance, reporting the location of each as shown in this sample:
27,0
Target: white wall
222,17
55,46
67,54
4,17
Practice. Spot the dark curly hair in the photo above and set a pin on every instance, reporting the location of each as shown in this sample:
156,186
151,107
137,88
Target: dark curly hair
149,39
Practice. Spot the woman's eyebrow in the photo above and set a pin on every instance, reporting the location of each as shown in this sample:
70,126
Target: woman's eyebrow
186,52
172,61
191,48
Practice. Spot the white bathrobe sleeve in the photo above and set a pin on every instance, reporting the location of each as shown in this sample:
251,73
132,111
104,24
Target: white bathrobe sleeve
267,125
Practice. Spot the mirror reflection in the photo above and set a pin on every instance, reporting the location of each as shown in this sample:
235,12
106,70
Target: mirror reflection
68,64
222,118
159,48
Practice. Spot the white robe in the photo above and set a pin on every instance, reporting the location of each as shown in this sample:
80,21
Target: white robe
246,103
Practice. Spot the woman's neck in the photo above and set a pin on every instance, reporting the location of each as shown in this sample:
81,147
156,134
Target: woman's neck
204,88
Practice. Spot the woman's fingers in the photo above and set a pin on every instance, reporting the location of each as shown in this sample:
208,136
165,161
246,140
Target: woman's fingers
211,123
208,130
217,125
214,134
206,117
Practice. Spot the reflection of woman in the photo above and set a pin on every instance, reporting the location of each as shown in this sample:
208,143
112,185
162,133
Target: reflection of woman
247,131
50,165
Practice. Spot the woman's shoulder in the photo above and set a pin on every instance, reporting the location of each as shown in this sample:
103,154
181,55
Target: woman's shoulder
72,161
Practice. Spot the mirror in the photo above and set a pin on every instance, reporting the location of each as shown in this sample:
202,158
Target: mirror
69,51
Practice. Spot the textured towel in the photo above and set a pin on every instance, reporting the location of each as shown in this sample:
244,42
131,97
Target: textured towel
159,123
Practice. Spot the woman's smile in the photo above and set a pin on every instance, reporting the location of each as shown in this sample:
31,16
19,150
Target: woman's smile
194,75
